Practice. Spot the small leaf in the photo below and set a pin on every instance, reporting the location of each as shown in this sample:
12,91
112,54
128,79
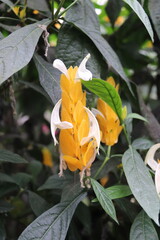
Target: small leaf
107,93
136,116
142,228
142,143
7,156
6,178
17,49
22,179
138,9
54,223
49,78
141,183
154,9
104,199
37,203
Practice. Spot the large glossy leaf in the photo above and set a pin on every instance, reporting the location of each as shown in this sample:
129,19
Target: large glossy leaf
107,93
40,5
17,49
142,228
141,183
154,9
73,46
8,2
49,78
7,156
54,223
138,9
86,21
104,199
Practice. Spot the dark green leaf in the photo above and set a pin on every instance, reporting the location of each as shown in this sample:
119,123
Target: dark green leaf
86,20
40,5
56,182
54,223
138,9
7,187
49,78
73,46
113,9
22,179
8,2
141,183
136,116
154,9
104,199
6,178
142,228
17,49
9,28
107,93
142,143
5,206
37,203
7,156
2,230
34,167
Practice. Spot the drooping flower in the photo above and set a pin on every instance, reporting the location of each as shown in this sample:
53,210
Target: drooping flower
108,120
79,136
154,165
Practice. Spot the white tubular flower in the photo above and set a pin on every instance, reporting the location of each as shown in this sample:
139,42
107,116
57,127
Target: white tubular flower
60,66
96,112
154,165
82,72
56,122
94,131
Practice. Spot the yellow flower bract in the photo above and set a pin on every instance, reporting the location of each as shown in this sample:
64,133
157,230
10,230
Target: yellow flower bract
75,155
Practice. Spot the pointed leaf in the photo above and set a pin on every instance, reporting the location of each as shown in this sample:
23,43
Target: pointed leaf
142,228
138,9
17,49
40,5
136,116
7,156
107,93
49,78
54,223
141,183
8,2
154,9
104,199
142,143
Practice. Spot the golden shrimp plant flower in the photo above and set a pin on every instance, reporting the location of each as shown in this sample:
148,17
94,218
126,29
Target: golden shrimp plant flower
108,120
154,165
79,137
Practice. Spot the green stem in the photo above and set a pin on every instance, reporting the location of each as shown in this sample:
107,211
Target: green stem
104,162
67,8
59,8
126,135
52,7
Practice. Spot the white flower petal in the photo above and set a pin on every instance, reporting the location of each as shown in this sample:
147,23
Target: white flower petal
94,131
157,179
82,72
150,156
96,112
56,122
60,66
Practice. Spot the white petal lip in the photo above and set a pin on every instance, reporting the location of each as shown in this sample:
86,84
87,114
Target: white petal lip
96,112
150,156
157,179
94,131
56,122
60,66
83,72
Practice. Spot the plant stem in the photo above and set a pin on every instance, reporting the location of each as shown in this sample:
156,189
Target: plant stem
104,162
52,8
67,8
126,135
59,8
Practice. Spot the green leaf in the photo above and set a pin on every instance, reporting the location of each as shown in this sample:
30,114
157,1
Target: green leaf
141,183
2,229
37,203
107,93
117,191
6,178
7,156
8,2
40,5
136,116
35,167
154,9
138,9
17,49
54,223
56,182
142,228
73,46
142,143
49,78
7,187
113,9
86,21
5,206
22,179
104,199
